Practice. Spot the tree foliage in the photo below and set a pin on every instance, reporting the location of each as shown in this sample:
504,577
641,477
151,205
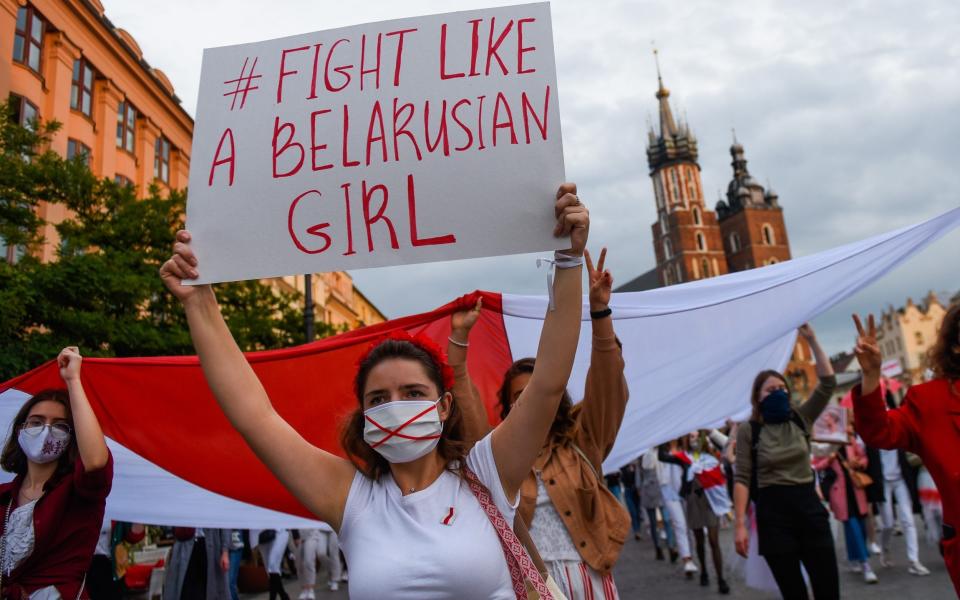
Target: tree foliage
103,293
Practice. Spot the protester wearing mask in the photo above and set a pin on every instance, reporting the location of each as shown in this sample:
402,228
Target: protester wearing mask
773,469
578,525
418,515
925,423
53,508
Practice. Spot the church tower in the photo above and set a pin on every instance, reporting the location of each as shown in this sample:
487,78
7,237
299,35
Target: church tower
686,236
751,220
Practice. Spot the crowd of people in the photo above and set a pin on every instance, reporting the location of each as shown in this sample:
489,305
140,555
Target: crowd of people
434,502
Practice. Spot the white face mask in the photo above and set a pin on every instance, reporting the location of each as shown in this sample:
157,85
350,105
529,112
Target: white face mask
43,446
403,430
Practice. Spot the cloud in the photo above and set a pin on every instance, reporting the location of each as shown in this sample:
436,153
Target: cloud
848,109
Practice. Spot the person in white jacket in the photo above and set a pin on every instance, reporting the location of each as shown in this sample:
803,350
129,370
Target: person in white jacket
671,475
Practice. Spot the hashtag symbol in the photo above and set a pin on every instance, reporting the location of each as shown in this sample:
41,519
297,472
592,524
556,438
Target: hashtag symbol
243,84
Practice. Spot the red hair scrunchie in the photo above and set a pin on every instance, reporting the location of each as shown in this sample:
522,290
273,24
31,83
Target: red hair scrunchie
421,341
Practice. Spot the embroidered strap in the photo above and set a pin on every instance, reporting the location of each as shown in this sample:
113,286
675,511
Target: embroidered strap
518,561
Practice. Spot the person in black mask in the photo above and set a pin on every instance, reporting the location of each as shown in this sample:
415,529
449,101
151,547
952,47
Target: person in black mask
773,470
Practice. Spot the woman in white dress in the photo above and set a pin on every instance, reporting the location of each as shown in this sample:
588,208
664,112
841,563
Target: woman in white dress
418,516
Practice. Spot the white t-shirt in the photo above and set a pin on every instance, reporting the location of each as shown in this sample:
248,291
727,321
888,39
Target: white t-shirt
398,546
890,459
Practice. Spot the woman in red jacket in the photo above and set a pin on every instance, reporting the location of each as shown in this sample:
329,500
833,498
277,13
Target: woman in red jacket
927,423
53,509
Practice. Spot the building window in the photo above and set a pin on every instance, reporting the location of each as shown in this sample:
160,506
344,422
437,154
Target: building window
126,125
161,160
667,249
658,192
11,254
668,276
697,219
679,273
77,148
675,186
123,181
81,90
663,224
701,242
734,242
705,267
28,40
23,112
919,337
768,237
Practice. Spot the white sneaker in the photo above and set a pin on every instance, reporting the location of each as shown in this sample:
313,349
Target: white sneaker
303,595
868,575
875,549
916,568
309,595
690,567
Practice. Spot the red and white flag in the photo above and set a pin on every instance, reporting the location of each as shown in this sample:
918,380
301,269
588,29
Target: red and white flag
691,353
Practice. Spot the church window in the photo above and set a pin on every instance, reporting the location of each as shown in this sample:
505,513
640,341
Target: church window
919,338
668,276
768,237
697,219
701,242
705,267
667,249
663,224
675,186
734,242
679,273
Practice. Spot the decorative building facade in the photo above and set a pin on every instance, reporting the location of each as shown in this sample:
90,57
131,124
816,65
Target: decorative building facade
691,242
906,334
69,63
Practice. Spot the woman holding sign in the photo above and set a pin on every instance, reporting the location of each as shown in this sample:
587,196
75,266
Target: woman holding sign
418,515
773,470
578,525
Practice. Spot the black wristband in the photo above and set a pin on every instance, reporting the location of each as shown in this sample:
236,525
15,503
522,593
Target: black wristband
600,314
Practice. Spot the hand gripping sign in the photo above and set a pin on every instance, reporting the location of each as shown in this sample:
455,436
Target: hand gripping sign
416,140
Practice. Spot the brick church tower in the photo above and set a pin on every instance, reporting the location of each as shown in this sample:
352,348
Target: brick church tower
751,220
686,237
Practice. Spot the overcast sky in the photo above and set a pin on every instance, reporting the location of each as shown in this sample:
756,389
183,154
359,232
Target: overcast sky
850,110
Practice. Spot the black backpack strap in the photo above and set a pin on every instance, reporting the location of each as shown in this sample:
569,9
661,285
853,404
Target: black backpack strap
755,427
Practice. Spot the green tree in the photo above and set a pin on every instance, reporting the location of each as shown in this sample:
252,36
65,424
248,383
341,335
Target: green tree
103,292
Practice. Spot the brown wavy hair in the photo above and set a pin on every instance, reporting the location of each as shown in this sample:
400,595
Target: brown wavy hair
565,423
944,356
758,385
13,459
453,444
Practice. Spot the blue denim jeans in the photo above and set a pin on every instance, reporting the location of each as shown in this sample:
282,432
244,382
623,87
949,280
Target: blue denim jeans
235,556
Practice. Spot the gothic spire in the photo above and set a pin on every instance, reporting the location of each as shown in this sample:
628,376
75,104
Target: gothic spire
668,126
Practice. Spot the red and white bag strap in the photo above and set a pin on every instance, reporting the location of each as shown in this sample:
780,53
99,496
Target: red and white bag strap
518,561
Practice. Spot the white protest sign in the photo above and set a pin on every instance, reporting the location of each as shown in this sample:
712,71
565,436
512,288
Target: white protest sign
415,140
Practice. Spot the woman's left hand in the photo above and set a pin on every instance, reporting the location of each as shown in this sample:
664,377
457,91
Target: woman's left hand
69,361
601,281
806,331
573,219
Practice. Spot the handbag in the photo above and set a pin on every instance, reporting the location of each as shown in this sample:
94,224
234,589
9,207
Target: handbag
859,479
519,564
266,536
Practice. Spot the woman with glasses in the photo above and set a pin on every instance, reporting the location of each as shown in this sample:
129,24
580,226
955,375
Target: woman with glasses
53,508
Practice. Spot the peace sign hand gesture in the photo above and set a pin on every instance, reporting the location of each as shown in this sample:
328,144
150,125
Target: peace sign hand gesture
601,281
868,353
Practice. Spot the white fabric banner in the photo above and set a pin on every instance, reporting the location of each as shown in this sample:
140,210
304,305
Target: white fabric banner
692,350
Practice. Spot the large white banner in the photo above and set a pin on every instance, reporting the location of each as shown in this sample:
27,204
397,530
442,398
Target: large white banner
415,140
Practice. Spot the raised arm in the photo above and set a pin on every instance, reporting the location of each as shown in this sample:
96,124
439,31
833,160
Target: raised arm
465,394
820,397
318,479
605,392
879,427
90,441
520,437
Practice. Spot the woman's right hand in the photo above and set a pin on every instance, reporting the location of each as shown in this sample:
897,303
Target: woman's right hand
461,322
868,354
182,265
741,538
